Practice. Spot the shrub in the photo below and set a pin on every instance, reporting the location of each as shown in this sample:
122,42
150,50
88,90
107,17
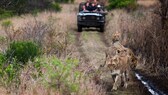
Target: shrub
6,23
35,11
22,51
5,14
121,4
55,6
9,74
17,6
65,1
62,75
2,58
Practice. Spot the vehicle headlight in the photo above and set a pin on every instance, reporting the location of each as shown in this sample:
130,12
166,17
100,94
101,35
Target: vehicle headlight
79,18
102,18
98,18
83,18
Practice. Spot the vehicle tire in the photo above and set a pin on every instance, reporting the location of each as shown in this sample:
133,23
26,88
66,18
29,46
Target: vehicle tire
102,28
79,28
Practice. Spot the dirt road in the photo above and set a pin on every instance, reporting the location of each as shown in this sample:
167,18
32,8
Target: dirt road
92,45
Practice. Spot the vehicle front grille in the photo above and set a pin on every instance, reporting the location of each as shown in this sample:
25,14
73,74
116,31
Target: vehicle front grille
91,18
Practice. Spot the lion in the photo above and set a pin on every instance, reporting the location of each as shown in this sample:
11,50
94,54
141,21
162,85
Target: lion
120,65
119,69
119,60
126,52
116,36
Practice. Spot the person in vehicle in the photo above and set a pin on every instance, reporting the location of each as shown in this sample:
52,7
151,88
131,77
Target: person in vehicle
95,2
99,8
90,6
94,6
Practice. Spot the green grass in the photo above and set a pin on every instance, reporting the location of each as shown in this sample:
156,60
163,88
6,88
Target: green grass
121,4
5,13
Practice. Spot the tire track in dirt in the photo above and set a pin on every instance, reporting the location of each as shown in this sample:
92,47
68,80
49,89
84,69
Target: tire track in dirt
104,40
79,44
91,46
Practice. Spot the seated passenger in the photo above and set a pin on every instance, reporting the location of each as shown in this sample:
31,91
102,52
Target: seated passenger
94,7
95,2
84,8
88,6
99,8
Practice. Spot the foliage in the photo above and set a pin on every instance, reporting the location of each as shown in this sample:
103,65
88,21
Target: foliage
9,8
22,51
5,13
9,73
6,23
55,6
35,12
64,1
62,75
121,4
2,58
17,6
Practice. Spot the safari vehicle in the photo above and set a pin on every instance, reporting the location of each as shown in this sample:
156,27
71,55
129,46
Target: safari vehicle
90,19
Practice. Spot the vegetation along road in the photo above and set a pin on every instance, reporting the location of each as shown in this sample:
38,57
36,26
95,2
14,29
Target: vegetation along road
42,53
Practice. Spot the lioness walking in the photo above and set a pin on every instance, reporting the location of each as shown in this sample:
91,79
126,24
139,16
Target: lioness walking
120,60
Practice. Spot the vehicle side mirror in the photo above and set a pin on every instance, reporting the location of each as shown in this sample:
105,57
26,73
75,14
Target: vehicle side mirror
105,13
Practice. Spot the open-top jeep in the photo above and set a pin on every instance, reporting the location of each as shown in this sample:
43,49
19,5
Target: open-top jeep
90,18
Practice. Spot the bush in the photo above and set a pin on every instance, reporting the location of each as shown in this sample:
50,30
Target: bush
63,76
2,58
17,6
64,1
9,74
5,14
9,8
55,6
22,51
6,23
121,4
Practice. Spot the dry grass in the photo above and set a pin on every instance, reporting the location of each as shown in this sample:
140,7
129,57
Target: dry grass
49,29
